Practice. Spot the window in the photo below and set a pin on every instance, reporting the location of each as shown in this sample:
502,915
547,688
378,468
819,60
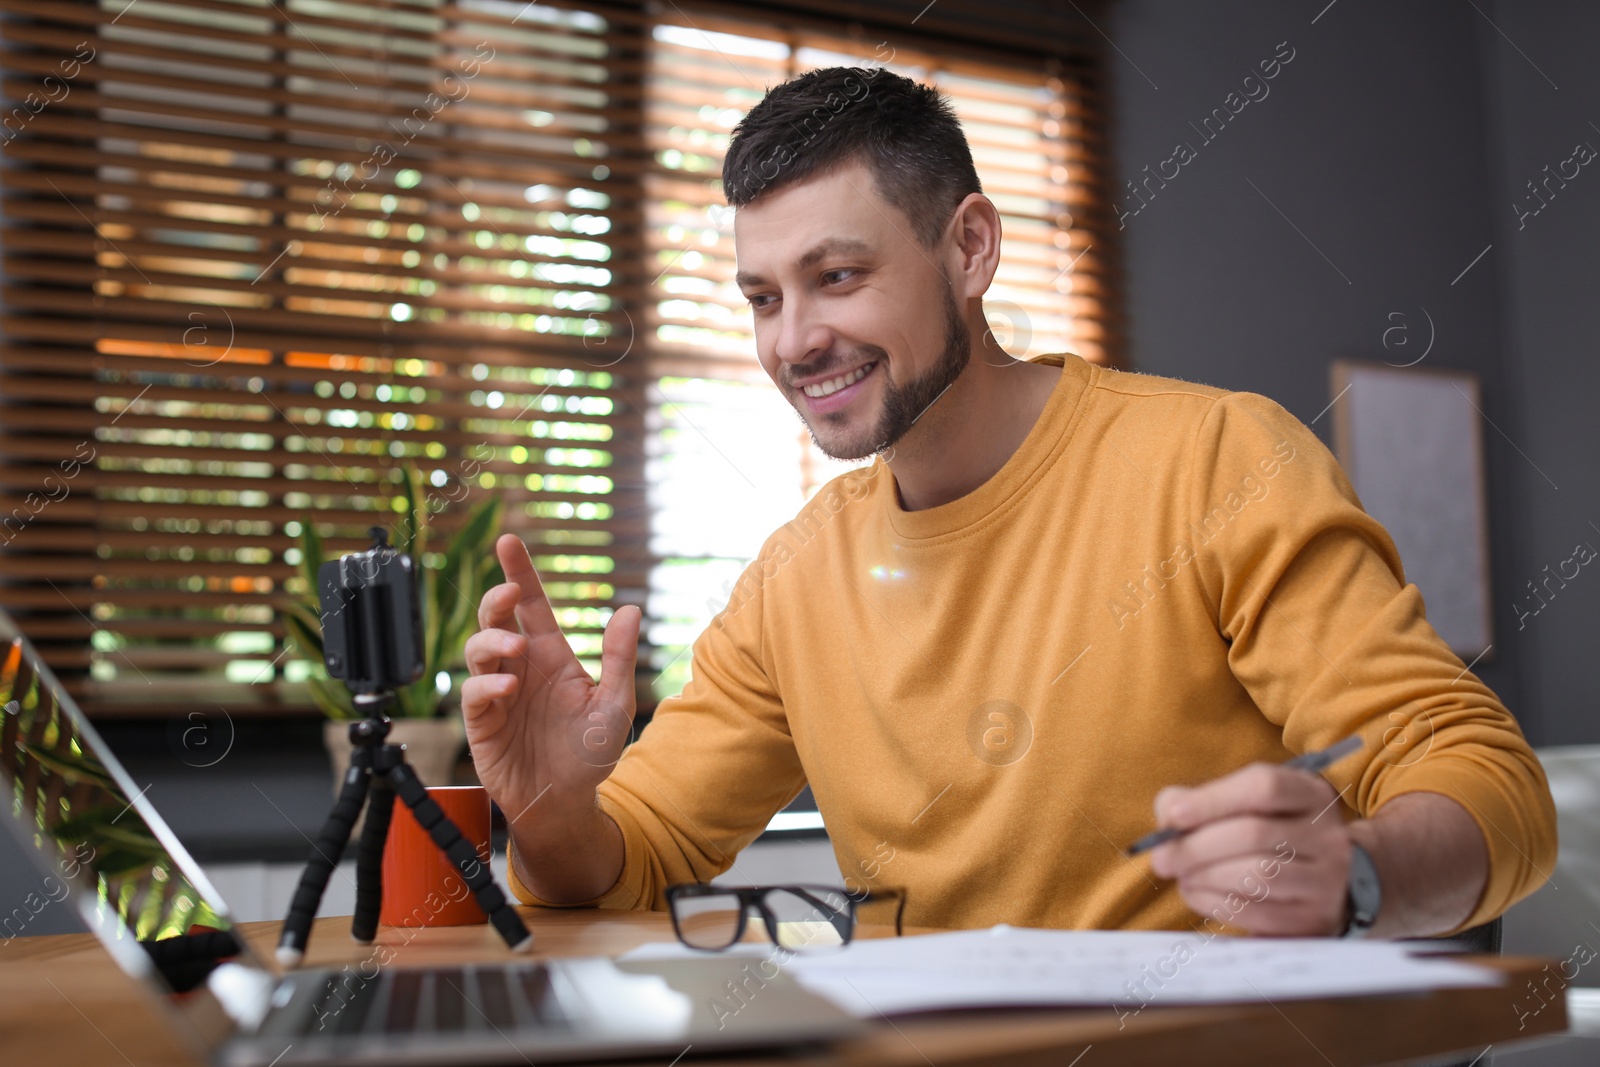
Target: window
730,461
259,257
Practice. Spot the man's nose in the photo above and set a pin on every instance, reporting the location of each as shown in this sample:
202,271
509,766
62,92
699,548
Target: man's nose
801,333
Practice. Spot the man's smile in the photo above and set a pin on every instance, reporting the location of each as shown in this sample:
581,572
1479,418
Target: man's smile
830,394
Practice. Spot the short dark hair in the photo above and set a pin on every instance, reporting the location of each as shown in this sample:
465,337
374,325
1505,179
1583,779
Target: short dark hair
907,134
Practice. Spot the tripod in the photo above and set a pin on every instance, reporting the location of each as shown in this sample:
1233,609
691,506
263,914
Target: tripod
381,770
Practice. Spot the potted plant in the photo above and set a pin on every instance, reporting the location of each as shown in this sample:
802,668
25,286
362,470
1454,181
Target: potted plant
454,572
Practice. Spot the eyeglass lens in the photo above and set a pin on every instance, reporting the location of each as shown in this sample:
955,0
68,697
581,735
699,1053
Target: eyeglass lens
809,918
708,922
805,918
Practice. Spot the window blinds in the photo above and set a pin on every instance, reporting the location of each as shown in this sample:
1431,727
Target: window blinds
258,256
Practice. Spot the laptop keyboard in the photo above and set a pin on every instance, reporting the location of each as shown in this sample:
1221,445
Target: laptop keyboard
439,1001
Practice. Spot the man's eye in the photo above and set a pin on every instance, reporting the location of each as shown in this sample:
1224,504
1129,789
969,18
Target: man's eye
835,277
760,300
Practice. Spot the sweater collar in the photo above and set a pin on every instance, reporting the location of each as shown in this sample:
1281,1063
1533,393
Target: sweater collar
1026,464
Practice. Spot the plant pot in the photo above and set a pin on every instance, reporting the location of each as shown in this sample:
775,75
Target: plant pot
432,746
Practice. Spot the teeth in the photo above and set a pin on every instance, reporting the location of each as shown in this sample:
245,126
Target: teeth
833,385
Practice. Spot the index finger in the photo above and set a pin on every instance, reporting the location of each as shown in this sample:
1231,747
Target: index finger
533,611
1259,789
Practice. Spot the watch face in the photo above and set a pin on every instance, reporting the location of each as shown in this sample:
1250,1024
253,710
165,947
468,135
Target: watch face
1366,893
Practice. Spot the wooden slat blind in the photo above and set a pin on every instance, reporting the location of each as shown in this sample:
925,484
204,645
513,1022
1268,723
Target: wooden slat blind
258,254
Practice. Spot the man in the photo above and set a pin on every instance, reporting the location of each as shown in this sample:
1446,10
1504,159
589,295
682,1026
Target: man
1059,589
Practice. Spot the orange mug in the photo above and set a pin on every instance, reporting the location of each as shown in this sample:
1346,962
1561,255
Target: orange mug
421,887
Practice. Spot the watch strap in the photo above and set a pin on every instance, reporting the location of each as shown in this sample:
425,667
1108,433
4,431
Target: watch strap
1365,893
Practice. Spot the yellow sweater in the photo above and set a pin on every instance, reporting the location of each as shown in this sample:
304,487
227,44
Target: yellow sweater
1166,582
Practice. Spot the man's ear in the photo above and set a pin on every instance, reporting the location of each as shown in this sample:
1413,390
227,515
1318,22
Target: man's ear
975,254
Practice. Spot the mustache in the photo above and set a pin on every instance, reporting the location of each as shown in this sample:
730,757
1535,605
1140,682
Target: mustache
827,365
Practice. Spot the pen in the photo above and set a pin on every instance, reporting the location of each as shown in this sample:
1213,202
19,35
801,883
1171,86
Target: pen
1315,762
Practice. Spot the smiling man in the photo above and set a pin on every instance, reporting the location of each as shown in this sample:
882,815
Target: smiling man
1057,590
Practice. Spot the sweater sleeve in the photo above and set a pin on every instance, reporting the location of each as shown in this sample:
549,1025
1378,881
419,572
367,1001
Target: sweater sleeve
709,771
1330,640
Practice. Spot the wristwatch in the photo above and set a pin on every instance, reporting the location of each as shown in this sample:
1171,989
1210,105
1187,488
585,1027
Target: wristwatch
1365,893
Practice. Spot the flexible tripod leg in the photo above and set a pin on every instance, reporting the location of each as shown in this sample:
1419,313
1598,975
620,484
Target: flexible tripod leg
473,870
324,857
369,861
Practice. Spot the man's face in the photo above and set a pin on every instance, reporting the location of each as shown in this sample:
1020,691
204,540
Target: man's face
854,320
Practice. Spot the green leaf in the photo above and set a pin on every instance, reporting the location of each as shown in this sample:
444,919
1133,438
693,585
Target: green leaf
111,863
133,838
82,826
304,629
73,768
419,700
489,574
183,909
442,599
332,698
205,916
429,592
476,534
312,556
461,620
468,564
412,537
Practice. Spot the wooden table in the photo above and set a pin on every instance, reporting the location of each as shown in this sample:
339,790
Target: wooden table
62,1001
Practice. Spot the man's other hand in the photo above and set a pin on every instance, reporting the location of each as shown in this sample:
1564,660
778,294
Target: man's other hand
1266,851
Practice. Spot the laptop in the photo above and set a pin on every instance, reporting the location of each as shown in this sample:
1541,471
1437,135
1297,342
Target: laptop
91,829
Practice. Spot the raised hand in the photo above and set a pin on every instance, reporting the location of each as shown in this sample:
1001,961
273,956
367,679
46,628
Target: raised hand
543,734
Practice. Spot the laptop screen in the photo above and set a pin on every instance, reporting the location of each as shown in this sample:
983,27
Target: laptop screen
101,848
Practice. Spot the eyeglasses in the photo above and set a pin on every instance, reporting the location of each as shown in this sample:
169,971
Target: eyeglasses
796,917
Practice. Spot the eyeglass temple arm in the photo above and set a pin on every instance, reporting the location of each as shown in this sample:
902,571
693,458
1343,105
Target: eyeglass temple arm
899,911
896,895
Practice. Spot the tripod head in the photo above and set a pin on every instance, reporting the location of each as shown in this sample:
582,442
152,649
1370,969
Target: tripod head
371,623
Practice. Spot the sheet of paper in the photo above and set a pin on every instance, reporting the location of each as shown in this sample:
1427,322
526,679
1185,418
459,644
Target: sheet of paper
1007,966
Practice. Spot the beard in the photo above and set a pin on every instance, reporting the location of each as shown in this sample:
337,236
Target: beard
904,404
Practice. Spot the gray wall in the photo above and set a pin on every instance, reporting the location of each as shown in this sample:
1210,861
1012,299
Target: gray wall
1550,278
1373,173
